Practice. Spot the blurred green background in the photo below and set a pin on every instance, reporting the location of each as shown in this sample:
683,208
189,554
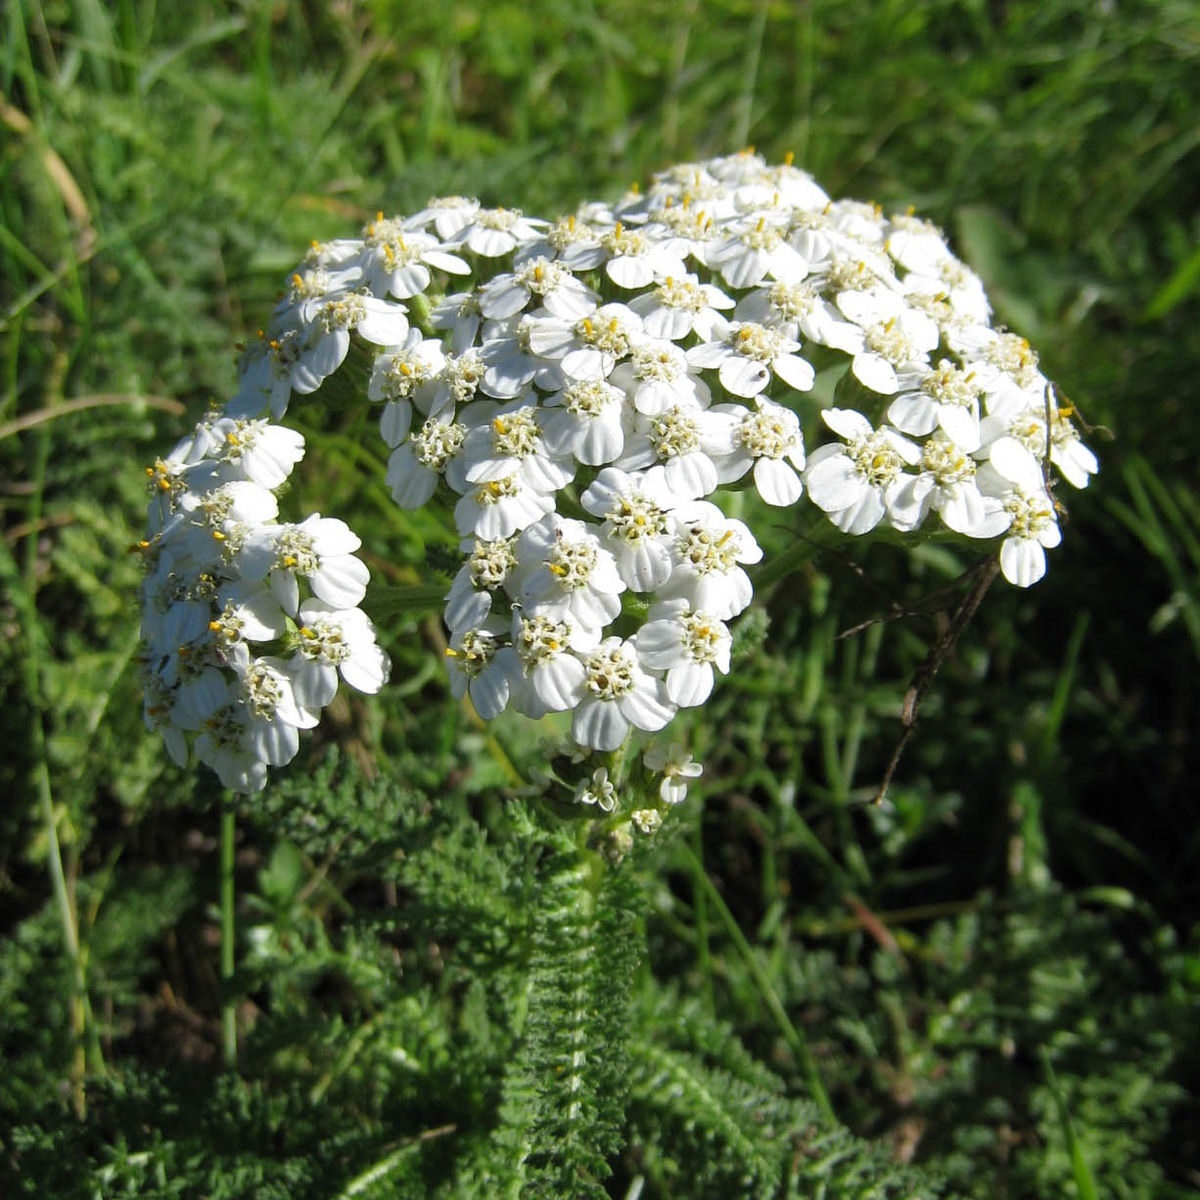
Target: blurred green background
1033,883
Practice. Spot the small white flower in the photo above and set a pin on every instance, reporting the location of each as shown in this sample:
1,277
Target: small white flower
747,354
598,791
637,258
585,421
679,306
756,250
252,450
449,215
587,348
767,438
507,440
552,676
334,642
618,695
398,258
799,308
676,767
707,552
480,668
564,572
946,396
947,485
332,322
493,232
687,645
686,442
319,550
855,483
657,376
486,571
895,338
416,465
561,294
1033,529
408,373
637,528
500,507
646,820
511,360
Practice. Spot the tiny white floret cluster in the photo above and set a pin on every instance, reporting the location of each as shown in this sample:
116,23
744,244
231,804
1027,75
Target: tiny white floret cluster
248,622
579,395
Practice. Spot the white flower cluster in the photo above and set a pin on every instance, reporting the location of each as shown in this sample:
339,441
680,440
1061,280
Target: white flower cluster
247,622
579,392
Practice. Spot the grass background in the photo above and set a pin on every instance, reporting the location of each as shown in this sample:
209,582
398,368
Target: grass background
161,166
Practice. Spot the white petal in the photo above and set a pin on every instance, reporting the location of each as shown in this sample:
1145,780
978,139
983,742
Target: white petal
744,376
1023,561
366,670
689,684
796,372
599,724
833,483
777,483
341,581
875,372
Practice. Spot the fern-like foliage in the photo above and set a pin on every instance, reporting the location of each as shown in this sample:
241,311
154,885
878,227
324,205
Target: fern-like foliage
562,1115
708,1120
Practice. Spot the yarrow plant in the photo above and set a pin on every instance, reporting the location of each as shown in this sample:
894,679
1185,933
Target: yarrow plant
581,397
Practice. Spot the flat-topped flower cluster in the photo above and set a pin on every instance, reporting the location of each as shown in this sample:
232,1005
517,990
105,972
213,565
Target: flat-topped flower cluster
580,395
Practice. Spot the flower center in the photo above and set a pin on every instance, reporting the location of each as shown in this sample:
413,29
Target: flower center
490,563
890,342
589,398
572,563
766,435
701,638
945,461
661,363
541,276
681,293
497,218
436,442
793,300
673,433
463,375
515,434
875,459
609,674
1030,514
343,313
610,336
707,551
634,518
755,341
1013,355
324,641
294,551
951,385
622,241
541,639
261,691
496,490
473,653
402,375
1030,431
